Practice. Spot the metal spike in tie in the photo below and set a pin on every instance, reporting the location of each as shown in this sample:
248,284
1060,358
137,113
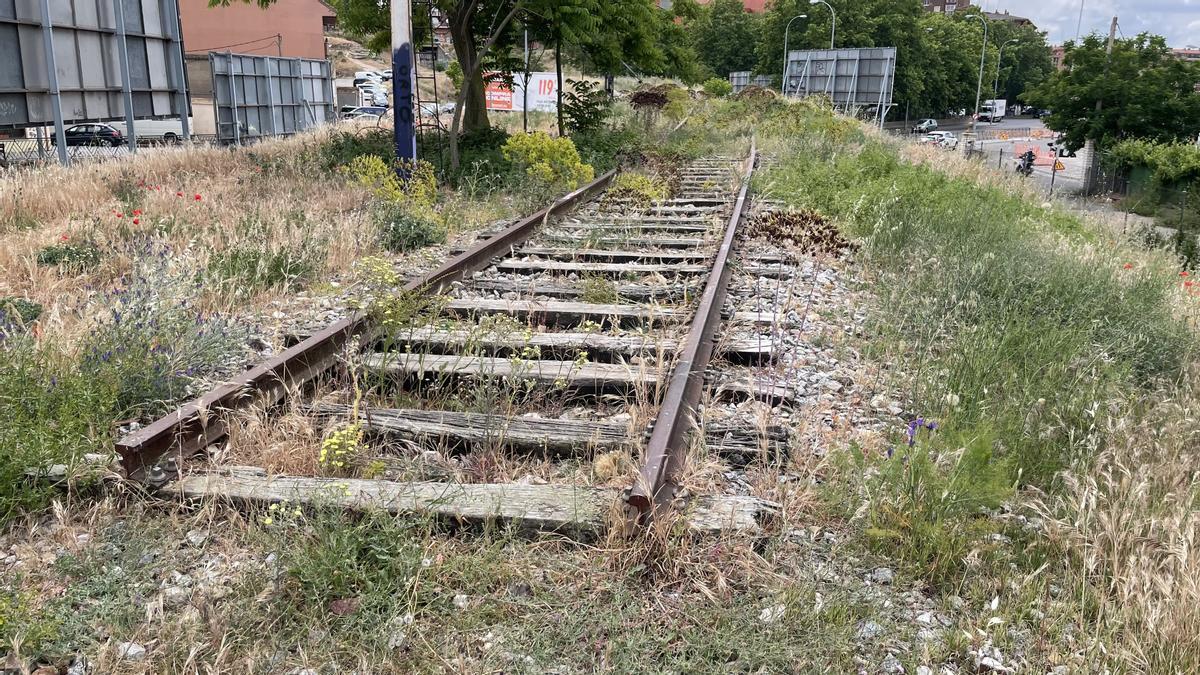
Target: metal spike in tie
157,476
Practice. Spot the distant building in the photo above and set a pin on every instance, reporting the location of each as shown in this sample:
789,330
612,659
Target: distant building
1008,18
290,28
750,5
1057,55
945,6
1187,54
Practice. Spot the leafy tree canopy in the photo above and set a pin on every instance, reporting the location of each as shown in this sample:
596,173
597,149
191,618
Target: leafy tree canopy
1145,92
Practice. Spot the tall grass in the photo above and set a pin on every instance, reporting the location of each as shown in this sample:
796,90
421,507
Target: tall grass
1055,360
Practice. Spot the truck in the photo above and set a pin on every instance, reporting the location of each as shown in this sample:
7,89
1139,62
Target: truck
993,110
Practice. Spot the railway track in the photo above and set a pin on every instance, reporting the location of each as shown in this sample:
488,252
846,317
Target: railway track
582,333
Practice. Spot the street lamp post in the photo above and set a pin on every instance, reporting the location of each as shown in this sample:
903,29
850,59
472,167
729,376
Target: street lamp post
999,62
833,25
982,58
786,64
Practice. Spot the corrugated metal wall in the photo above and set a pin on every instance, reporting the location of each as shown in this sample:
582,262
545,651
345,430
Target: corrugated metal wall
87,61
269,95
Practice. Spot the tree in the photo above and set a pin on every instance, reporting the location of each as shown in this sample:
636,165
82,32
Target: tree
726,35
1142,89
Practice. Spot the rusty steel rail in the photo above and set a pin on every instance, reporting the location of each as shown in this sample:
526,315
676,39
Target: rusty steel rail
200,422
676,417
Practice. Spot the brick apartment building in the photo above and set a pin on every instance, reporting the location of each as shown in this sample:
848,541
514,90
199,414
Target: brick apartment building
945,6
289,28
750,5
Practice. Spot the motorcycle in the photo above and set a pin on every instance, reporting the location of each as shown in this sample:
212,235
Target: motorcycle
1025,168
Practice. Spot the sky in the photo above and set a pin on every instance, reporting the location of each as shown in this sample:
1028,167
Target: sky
1177,20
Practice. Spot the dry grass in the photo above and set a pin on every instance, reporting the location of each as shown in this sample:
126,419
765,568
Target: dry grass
200,203
1131,522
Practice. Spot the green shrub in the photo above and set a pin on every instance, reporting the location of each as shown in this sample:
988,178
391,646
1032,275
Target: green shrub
552,165
348,571
606,149
18,312
455,72
585,107
639,187
70,256
249,268
344,146
151,344
402,229
128,190
717,87
50,413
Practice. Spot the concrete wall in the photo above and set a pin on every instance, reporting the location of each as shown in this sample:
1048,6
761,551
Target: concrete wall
299,22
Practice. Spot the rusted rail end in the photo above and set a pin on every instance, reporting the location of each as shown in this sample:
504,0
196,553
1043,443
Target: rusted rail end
200,422
668,440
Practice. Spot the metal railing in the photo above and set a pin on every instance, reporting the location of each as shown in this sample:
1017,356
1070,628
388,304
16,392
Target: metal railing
33,153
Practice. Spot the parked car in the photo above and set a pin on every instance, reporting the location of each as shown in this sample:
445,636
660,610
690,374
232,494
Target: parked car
372,111
166,131
91,134
924,126
946,139
387,74
368,75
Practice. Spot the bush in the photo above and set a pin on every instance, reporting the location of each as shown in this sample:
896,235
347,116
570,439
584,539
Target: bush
454,71
129,191
49,414
717,87
249,268
639,187
553,164
606,149
152,344
585,107
402,230
17,313
343,146
73,257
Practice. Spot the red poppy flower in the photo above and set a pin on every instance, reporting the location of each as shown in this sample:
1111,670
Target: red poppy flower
197,197
120,215
137,212
1188,284
135,221
64,237
1183,273
1128,266
178,194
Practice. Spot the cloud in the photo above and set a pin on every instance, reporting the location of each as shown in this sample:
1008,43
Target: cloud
1177,20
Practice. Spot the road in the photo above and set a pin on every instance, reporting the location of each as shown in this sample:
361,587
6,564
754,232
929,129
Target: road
1023,131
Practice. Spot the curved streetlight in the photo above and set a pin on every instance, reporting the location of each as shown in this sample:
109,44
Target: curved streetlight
979,85
833,26
999,61
783,88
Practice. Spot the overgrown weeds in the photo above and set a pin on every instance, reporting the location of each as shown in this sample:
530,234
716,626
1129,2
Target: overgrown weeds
152,343
1050,358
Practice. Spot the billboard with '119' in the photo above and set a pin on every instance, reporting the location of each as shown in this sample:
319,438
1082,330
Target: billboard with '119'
540,94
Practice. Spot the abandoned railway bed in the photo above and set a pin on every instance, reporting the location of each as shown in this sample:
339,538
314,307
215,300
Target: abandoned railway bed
597,328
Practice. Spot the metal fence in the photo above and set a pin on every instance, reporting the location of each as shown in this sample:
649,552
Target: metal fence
69,61
742,79
34,153
261,96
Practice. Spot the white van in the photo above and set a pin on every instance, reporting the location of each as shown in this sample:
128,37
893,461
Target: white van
165,131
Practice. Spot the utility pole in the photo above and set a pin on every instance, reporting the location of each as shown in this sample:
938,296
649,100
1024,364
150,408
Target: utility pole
1094,156
403,85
